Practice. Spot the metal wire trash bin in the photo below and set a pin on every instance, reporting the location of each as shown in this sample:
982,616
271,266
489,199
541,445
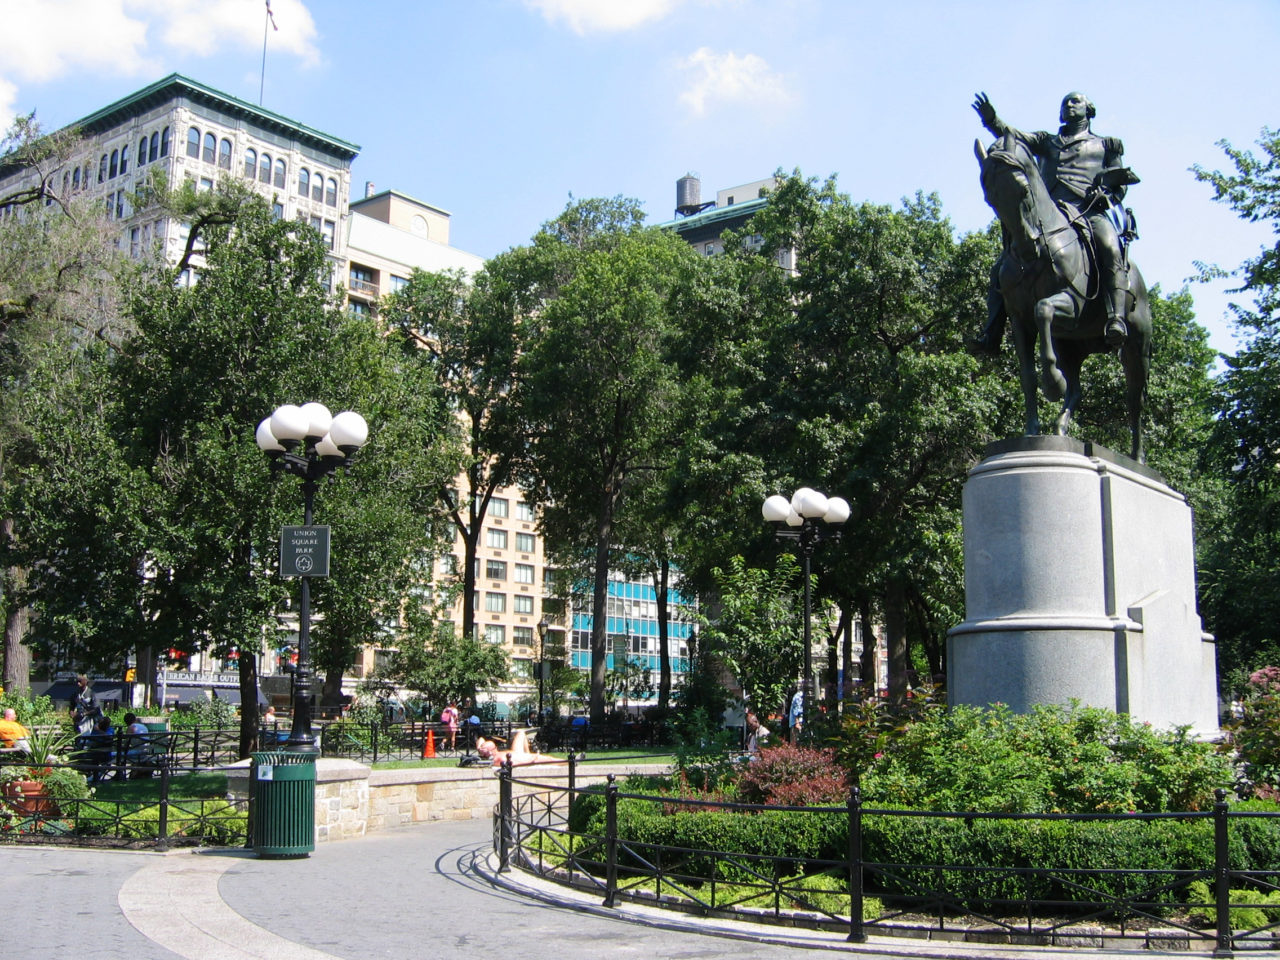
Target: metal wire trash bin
282,804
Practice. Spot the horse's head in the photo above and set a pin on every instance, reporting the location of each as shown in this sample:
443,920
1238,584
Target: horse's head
1009,183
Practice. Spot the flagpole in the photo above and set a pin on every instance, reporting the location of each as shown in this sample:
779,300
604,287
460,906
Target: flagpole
262,79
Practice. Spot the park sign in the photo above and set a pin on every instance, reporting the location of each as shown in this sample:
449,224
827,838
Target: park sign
304,551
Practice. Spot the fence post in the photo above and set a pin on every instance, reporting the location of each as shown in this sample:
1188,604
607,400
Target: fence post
375,743
195,747
505,817
611,840
573,776
121,748
856,933
163,842
1221,874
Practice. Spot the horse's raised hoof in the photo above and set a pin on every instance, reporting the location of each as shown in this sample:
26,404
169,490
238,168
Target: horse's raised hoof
1115,334
1052,382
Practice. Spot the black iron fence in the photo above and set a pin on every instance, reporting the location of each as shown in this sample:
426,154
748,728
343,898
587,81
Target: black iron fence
33,810
383,742
1222,895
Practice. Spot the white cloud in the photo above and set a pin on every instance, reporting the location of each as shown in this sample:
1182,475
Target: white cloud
586,16
729,78
136,37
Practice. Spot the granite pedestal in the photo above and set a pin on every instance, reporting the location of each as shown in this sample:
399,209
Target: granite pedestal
1080,584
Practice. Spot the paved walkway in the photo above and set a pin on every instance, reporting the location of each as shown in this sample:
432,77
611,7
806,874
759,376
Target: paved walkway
417,892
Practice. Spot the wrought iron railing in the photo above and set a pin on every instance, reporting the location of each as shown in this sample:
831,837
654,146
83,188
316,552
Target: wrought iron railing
1090,904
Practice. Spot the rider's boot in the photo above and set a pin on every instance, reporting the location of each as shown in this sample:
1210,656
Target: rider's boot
1116,331
987,343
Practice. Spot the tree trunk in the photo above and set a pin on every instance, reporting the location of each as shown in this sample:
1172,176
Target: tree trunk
146,674
867,668
248,665
896,634
17,655
331,692
600,607
661,582
846,655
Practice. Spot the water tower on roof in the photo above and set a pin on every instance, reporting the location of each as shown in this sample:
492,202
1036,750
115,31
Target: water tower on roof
689,196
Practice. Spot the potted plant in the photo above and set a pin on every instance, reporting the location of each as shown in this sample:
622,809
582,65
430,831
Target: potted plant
34,786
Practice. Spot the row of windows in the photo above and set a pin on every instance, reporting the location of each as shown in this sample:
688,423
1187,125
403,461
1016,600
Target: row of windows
262,167
497,633
141,238
497,538
500,507
497,602
497,570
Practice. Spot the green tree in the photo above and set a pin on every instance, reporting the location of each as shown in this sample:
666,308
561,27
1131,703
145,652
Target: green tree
469,333
57,292
757,631
1240,577
601,393
437,663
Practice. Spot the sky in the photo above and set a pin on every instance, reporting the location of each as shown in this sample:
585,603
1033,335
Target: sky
501,111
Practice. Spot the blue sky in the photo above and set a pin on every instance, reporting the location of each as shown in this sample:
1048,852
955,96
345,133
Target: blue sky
499,110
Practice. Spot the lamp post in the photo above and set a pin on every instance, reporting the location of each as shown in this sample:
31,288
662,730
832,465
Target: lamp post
809,518
309,443
543,626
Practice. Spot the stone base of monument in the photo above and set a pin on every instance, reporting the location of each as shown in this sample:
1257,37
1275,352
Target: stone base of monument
1080,585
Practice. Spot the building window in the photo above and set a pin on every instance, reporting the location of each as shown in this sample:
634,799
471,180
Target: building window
250,163
75,179
281,172
135,236
328,233
277,211
398,283
522,636
495,569
193,143
359,308
264,168
210,148
496,539
525,542
120,206
124,160
154,153
499,507
142,150
524,603
524,573
363,280
304,183
204,186
495,602
224,154
524,511
331,193
317,187
495,633
115,164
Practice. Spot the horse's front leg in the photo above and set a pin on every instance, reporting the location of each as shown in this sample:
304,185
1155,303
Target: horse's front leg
1051,379
1069,364
1024,346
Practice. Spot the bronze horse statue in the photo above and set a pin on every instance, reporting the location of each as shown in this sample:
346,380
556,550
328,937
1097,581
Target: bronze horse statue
1049,283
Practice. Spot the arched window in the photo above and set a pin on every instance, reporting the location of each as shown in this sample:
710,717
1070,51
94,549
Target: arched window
224,154
124,160
193,143
317,187
75,179
142,150
250,162
164,142
264,168
102,169
115,164
304,183
280,174
210,148
331,193
66,182
155,148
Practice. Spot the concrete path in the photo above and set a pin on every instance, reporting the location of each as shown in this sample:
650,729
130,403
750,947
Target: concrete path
421,892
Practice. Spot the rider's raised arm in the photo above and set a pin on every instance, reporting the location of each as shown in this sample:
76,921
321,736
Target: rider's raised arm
987,113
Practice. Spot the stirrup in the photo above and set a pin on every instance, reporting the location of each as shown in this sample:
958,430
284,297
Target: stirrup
1115,333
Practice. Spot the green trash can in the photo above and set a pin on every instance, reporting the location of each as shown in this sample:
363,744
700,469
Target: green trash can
282,798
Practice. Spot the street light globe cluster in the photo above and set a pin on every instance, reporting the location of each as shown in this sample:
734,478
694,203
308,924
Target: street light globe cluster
309,443
313,427
809,518
805,504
